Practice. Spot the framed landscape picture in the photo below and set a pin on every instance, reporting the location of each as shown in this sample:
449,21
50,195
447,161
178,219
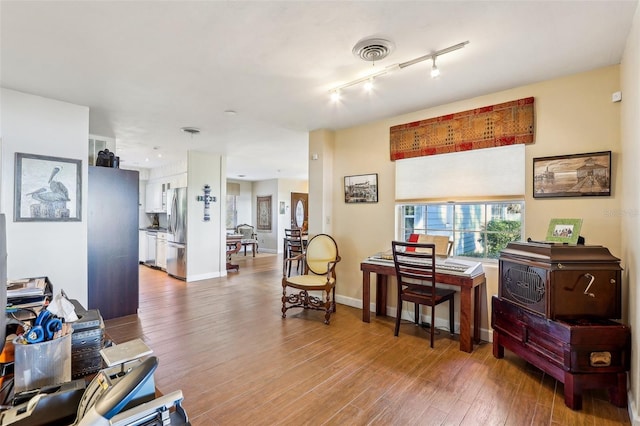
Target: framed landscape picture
575,175
361,188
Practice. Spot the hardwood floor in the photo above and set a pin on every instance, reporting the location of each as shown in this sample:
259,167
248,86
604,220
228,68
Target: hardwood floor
224,343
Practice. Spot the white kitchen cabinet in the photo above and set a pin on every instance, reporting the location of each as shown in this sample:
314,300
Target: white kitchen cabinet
151,248
142,246
153,199
181,180
161,250
156,191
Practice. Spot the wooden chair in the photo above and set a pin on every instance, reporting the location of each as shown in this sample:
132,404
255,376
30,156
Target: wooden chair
294,246
320,259
233,246
249,238
415,265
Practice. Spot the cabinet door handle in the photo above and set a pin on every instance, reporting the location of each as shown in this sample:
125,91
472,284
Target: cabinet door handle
591,280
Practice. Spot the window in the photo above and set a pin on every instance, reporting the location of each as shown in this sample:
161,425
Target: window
232,212
478,229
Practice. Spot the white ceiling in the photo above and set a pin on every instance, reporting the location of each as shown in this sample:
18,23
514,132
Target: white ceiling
148,68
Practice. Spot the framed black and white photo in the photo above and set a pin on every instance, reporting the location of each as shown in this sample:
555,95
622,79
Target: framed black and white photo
361,188
47,189
575,175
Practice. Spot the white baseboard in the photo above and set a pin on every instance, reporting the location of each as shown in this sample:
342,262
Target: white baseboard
485,335
632,407
191,278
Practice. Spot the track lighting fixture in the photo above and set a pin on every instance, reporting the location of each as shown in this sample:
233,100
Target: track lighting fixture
368,79
368,85
435,72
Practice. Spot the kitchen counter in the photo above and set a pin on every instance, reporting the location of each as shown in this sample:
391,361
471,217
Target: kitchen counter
154,229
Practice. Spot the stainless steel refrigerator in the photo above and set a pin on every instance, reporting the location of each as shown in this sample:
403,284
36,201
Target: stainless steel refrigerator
177,233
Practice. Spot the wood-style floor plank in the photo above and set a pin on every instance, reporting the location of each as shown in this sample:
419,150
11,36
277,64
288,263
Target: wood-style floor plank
224,344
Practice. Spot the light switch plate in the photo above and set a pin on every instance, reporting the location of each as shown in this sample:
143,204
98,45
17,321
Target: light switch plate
616,96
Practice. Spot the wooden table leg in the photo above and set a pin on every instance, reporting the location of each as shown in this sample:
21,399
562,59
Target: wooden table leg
498,349
466,315
381,294
366,297
476,314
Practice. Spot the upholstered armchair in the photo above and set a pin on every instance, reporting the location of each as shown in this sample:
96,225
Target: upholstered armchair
249,238
319,276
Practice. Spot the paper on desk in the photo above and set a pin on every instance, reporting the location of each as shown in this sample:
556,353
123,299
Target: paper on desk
62,308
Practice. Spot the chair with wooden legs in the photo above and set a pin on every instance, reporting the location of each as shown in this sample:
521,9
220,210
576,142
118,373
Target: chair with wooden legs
415,265
249,238
294,248
320,259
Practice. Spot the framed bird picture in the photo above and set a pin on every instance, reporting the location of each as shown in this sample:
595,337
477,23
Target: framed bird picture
47,189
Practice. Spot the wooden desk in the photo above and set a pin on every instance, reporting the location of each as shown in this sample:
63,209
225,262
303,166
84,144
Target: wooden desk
469,312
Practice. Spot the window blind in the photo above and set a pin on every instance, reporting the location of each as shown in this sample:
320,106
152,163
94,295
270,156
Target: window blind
478,174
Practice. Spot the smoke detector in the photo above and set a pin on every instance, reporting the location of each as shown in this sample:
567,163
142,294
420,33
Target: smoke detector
373,49
191,130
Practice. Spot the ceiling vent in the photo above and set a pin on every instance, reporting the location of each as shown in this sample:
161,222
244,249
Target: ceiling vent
373,49
191,130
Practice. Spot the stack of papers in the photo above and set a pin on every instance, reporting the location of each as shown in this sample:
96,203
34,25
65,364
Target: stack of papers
26,293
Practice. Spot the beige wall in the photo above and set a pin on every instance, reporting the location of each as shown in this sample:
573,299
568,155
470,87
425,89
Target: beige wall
283,221
630,203
573,115
321,154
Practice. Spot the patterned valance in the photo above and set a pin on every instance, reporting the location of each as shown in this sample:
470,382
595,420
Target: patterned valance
503,124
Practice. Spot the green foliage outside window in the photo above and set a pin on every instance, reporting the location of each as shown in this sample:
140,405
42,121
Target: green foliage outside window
498,234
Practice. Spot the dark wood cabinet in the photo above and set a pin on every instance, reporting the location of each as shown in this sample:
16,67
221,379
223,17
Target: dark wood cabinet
582,354
554,308
112,237
560,281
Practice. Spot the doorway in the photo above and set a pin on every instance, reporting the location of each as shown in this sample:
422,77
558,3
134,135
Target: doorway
299,213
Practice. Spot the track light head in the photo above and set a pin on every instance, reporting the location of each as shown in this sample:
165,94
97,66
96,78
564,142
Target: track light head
435,71
368,85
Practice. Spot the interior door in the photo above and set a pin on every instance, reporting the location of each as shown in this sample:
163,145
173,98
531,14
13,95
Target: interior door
299,213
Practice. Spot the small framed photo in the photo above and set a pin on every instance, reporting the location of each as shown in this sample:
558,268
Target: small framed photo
47,189
575,175
361,188
564,230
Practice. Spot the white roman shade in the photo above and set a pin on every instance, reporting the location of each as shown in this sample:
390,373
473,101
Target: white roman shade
458,176
233,188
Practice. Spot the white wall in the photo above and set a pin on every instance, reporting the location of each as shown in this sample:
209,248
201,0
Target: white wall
244,202
268,240
206,241
37,125
630,207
